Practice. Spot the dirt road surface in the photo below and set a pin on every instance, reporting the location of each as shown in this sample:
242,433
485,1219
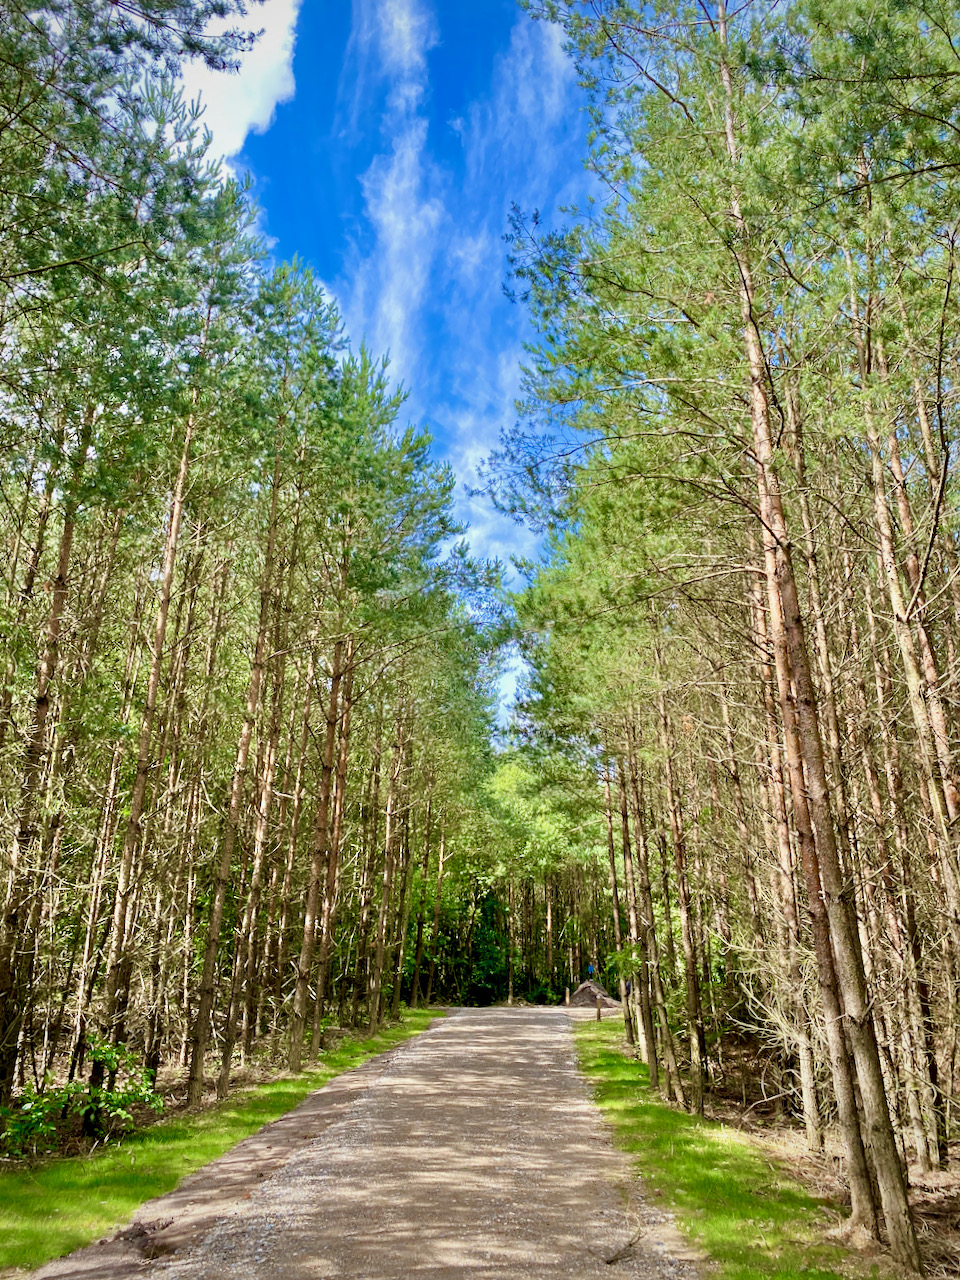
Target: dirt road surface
472,1151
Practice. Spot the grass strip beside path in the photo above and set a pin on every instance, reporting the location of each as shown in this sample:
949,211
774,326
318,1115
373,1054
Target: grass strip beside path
59,1205
741,1210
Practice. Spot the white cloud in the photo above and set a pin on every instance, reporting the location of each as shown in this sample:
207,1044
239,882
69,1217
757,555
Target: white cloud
425,282
235,104
406,223
406,32
390,40
523,126
434,247
521,143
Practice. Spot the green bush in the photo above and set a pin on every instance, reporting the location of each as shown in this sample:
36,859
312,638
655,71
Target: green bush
38,1119
544,992
31,1124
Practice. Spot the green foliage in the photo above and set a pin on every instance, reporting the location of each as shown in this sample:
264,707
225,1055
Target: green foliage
108,1111
485,977
29,1126
36,1119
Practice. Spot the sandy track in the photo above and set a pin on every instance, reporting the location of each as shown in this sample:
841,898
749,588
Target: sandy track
474,1151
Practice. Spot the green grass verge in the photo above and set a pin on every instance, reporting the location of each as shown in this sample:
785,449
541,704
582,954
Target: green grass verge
62,1203
742,1211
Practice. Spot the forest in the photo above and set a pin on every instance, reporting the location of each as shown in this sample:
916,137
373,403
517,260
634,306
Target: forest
252,784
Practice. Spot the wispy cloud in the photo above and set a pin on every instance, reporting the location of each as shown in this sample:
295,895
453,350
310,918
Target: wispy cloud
406,31
246,100
427,284
389,44
389,287
425,278
522,129
518,141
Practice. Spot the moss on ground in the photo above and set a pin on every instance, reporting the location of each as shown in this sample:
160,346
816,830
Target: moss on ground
60,1204
730,1199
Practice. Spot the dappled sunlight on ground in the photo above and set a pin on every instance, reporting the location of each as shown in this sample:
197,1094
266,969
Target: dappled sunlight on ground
475,1153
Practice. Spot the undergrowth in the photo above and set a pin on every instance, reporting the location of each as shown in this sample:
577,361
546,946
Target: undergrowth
60,1204
33,1124
733,1202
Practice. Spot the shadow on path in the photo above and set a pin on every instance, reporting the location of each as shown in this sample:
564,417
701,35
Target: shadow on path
470,1151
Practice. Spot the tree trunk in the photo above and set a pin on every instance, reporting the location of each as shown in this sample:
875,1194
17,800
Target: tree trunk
615,902
641,975
13,998
856,999
695,1029
331,885
424,871
318,864
202,1022
116,960
375,980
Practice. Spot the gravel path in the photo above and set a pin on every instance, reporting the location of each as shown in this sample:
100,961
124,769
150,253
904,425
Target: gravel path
475,1152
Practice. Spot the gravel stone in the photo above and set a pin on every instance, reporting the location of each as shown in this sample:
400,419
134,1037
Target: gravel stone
476,1151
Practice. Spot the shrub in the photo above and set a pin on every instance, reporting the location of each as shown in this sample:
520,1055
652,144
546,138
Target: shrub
36,1120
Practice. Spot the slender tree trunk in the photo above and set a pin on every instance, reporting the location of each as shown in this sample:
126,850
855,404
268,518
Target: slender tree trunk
424,871
695,1028
375,981
296,808
435,933
318,864
403,920
369,852
641,975
511,934
615,901
243,985
836,892
14,999
200,1035
331,884
673,1085
116,960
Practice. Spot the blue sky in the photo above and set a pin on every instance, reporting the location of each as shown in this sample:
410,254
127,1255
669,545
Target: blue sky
387,140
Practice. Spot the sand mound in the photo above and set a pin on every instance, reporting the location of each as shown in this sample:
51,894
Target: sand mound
589,992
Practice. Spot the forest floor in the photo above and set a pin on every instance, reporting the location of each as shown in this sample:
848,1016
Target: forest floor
742,1180
934,1194
473,1150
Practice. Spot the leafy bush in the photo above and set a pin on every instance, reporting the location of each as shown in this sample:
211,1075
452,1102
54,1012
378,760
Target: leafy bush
29,1126
36,1120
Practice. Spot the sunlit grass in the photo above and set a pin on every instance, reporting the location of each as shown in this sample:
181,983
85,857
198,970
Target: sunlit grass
61,1204
741,1210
